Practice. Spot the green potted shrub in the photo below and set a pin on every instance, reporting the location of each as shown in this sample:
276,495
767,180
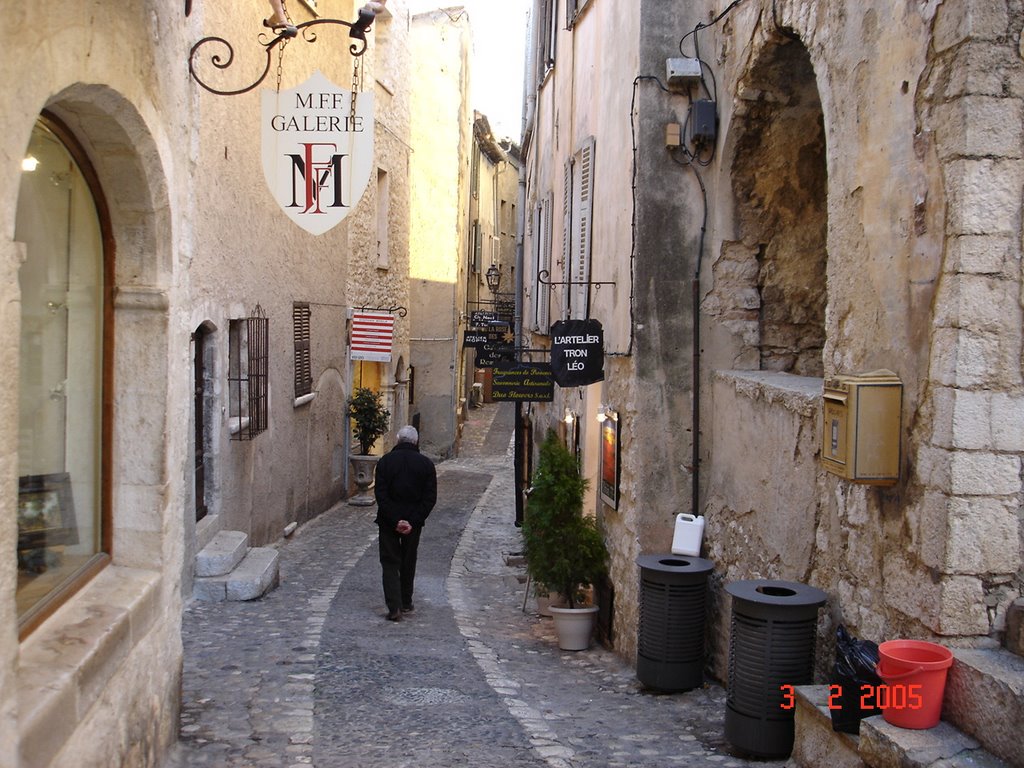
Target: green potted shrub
565,552
369,422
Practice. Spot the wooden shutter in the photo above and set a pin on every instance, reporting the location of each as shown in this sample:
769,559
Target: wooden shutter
301,334
543,250
567,217
582,227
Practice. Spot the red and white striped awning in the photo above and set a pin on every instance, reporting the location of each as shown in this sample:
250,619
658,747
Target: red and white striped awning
373,334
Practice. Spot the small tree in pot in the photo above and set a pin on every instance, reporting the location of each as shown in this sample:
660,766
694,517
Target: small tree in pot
564,549
369,418
369,423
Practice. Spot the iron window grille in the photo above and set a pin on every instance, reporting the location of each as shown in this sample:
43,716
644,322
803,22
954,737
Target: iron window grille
303,363
248,375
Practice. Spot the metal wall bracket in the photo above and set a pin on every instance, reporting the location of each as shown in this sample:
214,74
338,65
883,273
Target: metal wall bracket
399,310
545,274
305,31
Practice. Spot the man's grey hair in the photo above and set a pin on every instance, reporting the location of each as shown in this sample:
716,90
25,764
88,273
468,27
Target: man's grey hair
408,434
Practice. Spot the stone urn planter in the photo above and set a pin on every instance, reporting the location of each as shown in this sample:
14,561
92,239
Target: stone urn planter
363,467
369,422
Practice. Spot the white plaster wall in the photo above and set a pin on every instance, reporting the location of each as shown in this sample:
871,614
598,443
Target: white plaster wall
442,123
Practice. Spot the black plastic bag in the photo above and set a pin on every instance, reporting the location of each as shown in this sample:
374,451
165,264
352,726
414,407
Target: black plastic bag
853,689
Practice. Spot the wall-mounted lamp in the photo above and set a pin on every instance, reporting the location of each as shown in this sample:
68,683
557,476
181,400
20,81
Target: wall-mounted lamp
570,417
493,277
605,412
30,163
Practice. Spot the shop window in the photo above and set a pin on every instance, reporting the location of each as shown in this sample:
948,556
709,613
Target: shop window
63,359
248,396
303,363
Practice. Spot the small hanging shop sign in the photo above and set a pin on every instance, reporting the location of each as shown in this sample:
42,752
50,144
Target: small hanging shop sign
522,382
577,352
491,346
373,335
317,142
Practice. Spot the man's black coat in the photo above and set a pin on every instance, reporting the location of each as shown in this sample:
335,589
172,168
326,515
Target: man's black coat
406,486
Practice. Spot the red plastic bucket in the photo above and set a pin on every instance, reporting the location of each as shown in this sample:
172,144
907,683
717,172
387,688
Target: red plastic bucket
914,672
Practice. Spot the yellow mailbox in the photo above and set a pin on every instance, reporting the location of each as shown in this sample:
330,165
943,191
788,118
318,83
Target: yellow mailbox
860,436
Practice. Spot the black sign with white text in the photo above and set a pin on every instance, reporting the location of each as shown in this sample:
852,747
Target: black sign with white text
577,352
522,382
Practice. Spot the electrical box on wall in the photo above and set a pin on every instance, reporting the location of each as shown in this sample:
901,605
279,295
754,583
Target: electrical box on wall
703,122
860,436
681,73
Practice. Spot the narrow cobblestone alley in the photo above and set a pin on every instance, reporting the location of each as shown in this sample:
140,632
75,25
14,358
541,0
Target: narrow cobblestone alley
312,674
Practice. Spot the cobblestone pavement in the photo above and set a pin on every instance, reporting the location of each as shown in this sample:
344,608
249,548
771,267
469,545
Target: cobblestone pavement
313,674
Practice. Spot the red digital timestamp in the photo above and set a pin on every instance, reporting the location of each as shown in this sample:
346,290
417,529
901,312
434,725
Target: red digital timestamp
871,697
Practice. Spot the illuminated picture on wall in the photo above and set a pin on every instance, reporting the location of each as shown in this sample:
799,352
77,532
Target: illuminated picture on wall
46,516
610,459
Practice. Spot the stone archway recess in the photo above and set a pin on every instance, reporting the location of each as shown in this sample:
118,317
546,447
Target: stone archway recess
779,181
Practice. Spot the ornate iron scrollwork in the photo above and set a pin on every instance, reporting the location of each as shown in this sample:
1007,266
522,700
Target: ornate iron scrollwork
305,31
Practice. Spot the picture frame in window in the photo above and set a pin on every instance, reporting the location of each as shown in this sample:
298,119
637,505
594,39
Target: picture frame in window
46,513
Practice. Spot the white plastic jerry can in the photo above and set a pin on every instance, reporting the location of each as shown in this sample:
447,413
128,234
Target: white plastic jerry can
688,535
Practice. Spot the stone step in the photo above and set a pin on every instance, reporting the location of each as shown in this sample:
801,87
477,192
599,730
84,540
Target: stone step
222,554
985,699
256,575
880,744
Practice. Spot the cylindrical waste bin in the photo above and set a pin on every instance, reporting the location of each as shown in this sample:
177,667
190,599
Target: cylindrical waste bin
673,604
771,647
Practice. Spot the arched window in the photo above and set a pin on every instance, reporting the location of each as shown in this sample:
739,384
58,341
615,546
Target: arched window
63,367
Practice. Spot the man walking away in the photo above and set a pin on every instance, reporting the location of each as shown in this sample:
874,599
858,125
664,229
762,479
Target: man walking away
406,491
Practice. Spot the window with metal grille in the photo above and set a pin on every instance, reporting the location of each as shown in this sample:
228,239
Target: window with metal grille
248,380
303,363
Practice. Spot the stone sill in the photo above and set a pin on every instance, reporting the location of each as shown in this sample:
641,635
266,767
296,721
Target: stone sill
65,665
799,394
301,401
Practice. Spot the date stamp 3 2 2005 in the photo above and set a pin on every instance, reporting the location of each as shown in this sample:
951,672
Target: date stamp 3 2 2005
871,697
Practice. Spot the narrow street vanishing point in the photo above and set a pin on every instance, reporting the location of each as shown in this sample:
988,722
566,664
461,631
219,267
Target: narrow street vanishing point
312,674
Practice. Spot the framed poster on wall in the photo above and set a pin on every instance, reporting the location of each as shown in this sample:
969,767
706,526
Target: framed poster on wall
610,459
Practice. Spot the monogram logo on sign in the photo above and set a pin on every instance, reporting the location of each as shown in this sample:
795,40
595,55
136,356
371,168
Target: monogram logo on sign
317,150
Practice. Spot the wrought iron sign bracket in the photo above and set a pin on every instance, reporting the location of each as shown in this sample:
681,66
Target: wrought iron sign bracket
543,274
399,310
305,31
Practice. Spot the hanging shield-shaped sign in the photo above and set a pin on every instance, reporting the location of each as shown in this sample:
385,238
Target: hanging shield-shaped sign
317,150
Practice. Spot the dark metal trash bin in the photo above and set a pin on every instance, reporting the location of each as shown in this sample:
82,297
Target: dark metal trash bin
771,645
673,604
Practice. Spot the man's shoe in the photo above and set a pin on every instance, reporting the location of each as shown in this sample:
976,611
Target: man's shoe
394,615
408,608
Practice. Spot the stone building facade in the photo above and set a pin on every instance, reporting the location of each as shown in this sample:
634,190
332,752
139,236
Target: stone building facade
139,240
829,191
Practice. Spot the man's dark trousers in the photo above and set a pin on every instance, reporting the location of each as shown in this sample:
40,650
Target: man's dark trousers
398,565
